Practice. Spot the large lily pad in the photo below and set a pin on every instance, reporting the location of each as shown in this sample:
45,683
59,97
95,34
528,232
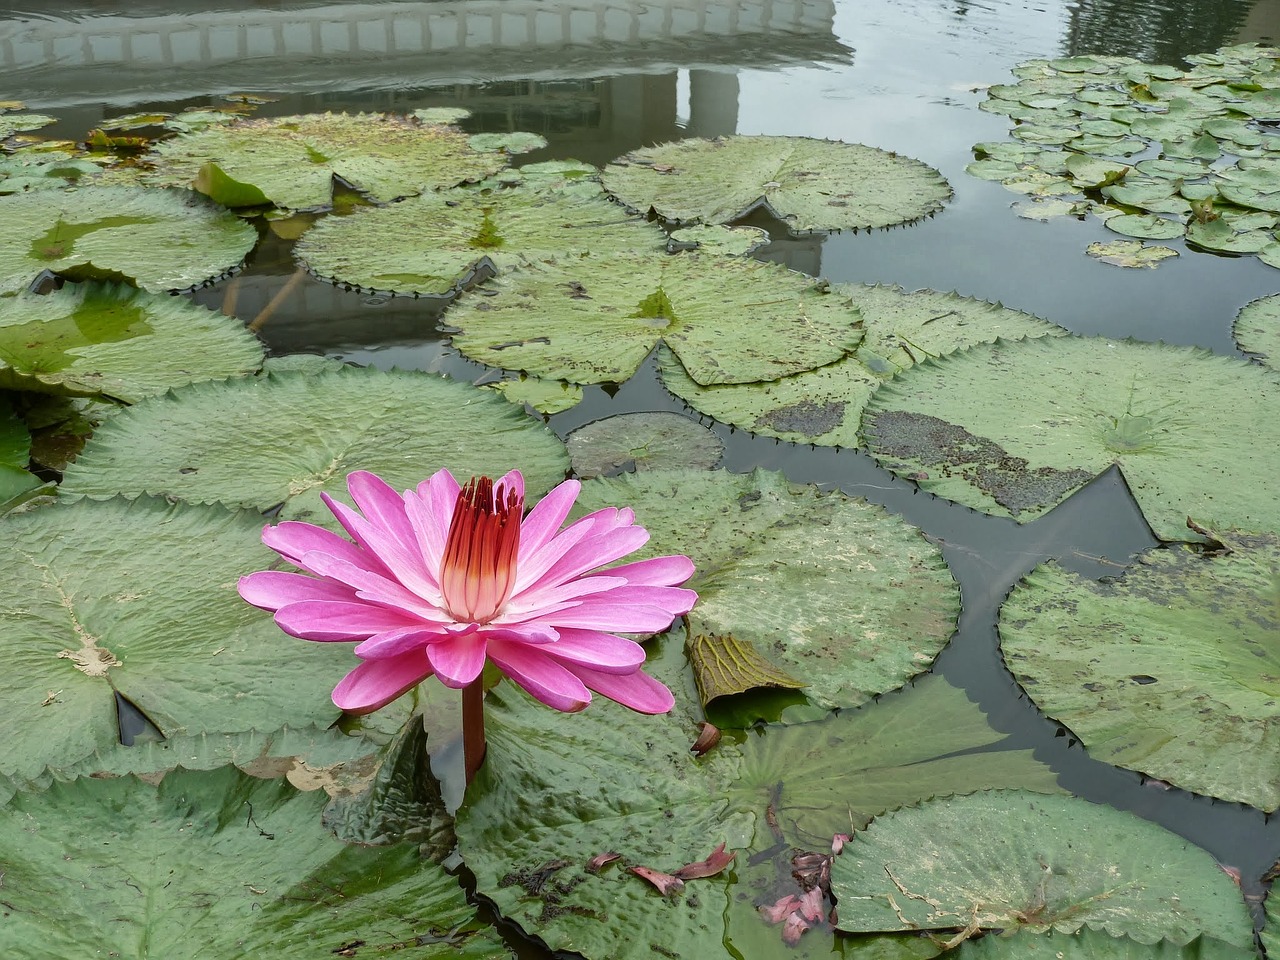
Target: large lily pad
594,319
138,599
1257,330
159,239
1010,860
824,406
837,592
1013,428
293,160
280,440
809,184
1172,669
1089,944
431,243
641,793
120,342
216,865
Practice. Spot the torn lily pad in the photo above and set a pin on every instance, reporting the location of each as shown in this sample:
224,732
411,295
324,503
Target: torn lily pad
294,160
278,441
841,595
1183,641
193,867
1015,427
809,184
1257,330
95,339
594,319
111,599
640,793
1130,253
642,441
824,406
431,243
158,239
1009,860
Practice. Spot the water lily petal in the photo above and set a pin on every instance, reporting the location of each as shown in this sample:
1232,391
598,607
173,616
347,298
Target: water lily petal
273,589
458,660
405,565
375,683
677,600
601,614
656,571
392,643
430,511
542,677
382,506
597,650
377,589
294,538
542,522
334,620
535,632
605,546
638,690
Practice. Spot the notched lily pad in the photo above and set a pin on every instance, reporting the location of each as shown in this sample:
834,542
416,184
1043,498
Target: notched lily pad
293,160
159,239
1009,860
839,594
1014,427
824,406
642,441
108,340
809,184
1128,663
278,441
1257,330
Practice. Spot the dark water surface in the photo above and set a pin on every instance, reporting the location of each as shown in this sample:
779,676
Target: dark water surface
599,79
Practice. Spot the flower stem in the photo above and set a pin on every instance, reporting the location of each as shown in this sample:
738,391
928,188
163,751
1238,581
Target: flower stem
473,743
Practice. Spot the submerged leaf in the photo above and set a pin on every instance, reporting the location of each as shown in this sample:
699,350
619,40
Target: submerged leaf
809,184
1181,643
642,441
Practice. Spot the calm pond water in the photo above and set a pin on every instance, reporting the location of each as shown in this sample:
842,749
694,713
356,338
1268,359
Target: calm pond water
599,79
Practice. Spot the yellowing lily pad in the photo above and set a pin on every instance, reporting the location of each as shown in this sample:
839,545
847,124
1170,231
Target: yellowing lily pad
809,184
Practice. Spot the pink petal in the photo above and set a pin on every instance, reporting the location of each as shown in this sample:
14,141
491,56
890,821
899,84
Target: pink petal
546,517
678,600
375,683
779,911
793,928
596,650
336,620
665,882
623,617
544,678
273,589
430,512
531,569
404,562
811,904
293,538
458,660
611,543
656,571
376,588
535,633
709,867
638,690
513,480
382,507
392,643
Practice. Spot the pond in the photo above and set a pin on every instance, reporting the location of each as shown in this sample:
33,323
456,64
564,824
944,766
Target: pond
597,81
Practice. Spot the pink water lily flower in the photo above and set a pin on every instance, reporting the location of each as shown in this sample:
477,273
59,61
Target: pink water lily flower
443,577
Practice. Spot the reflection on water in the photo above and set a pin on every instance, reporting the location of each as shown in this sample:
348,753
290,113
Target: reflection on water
1159,31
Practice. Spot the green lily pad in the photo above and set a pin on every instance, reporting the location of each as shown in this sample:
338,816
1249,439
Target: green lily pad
824,406
1146,226
1257,330
716,238
1181,643
1089,944
15,455
642,794
431,243
544,396
11,123
642,441
1013,428
26,171
597,317
809,184
294,160
1091,173
1010,860
1130,253
1223,235
844,597
280,440
103,339
138,599
216,865
160,239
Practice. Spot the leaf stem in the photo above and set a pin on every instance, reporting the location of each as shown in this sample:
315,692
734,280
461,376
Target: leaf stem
473,742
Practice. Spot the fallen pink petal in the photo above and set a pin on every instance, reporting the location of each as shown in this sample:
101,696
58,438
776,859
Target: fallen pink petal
707,868
779,911
596,863
665,882
440,579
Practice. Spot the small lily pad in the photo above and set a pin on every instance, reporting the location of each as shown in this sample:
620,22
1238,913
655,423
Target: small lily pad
278,441
11,123
716,238
97,339
1123,662
1010,860
545,396
642,441
160,239
293,160
809,184
1146,226
1014,427
1130,253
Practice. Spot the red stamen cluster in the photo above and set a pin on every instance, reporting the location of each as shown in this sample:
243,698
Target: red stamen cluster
479,567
